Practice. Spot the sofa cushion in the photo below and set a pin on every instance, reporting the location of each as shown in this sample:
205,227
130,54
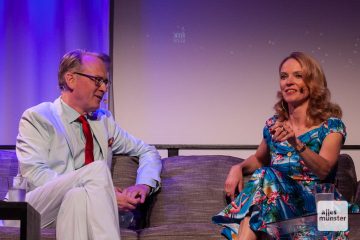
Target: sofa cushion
127,234
186,231
12,233
192,189
345,179
124,172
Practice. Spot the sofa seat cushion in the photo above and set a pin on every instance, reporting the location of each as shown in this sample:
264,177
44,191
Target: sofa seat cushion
185,231
10,233
13,233
127,234
191,192
48,233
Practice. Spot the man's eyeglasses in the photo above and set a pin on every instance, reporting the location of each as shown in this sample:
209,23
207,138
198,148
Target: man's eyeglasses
98,80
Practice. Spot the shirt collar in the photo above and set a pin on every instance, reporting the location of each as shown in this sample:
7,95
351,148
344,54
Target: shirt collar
69,113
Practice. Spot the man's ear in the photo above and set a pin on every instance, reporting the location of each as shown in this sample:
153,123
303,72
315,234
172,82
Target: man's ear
70,80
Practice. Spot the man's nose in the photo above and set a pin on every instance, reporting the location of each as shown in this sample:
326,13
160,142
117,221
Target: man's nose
103,87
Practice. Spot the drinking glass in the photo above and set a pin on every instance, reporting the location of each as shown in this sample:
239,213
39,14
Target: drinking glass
309,232
324,192
17,189
126,219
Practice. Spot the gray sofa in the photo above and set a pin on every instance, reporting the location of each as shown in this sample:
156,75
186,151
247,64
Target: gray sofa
191,193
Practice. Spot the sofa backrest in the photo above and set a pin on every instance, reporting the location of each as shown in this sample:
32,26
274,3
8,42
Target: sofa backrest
192,189
8,168
123,170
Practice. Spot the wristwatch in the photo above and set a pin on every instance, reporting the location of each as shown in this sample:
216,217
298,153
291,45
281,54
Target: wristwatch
301,147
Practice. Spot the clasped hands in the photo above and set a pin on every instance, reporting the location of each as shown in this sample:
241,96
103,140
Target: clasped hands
129,198
282,131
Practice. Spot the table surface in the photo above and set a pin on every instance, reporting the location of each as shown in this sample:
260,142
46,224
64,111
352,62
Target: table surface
16,207
286,226
28,216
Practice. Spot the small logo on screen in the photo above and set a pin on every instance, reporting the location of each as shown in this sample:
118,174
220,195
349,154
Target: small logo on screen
179,36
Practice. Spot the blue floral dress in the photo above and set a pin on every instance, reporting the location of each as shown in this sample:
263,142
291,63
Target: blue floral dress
282,190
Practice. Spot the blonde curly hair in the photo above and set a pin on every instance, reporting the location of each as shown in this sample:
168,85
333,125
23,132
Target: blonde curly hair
320,107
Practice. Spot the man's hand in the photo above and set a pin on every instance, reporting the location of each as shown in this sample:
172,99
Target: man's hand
129,198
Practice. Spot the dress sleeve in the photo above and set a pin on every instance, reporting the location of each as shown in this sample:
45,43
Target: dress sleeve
334,125
266,131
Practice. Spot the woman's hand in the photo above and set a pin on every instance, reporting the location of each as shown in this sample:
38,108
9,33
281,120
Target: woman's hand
319,163
282,131
235,177
233,180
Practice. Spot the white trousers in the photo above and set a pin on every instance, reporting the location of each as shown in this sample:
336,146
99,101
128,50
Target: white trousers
82,203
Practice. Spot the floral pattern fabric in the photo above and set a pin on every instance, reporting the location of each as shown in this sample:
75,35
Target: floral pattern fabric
282,190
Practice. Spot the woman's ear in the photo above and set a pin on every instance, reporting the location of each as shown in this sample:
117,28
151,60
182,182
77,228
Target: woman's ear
70,80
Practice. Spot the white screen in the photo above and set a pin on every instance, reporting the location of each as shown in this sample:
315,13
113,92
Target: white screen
206,71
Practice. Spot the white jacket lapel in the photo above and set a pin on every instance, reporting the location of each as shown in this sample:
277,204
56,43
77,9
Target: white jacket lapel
59,124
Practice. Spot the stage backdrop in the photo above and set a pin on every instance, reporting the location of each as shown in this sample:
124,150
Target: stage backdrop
34,35
206,71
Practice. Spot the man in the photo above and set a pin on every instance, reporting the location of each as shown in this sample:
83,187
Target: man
65,150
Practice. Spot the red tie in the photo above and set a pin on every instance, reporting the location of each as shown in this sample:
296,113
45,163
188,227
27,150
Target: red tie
89,145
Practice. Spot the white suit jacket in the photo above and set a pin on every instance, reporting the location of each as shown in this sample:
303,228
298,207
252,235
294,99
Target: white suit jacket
45,150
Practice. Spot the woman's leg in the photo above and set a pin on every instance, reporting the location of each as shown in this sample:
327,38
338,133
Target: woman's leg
245,231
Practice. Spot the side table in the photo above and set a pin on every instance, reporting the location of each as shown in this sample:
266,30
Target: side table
28,216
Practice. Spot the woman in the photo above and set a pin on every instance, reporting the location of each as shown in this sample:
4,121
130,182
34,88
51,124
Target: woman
300,147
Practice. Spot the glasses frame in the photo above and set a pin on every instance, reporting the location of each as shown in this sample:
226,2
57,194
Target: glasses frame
98,80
